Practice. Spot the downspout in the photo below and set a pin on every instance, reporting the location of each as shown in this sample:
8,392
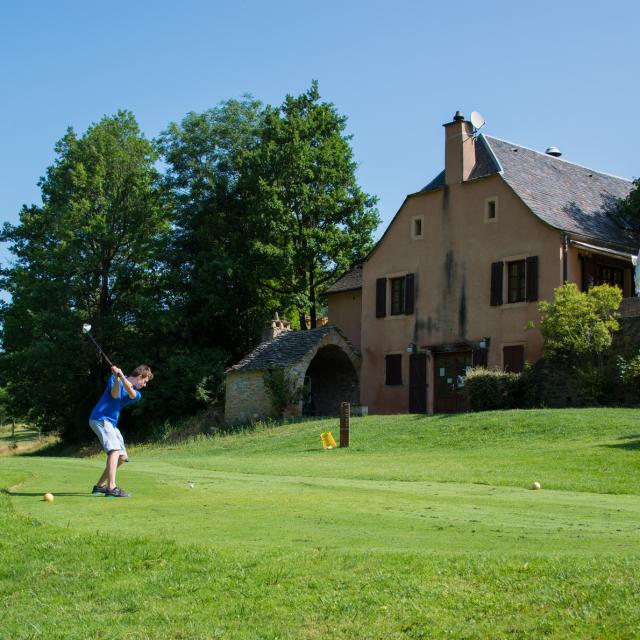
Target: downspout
565,258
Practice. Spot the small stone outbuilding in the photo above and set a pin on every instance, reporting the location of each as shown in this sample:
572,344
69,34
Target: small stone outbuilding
322,361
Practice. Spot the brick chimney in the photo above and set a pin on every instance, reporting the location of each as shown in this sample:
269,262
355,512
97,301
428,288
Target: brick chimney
274,328
459,150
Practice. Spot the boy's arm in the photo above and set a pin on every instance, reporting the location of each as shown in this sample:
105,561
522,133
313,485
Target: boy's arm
128,387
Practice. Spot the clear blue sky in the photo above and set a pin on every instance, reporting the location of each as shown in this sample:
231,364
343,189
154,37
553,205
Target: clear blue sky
561,73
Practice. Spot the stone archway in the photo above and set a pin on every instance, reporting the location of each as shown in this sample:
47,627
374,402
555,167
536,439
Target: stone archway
330,374
329,380
323,357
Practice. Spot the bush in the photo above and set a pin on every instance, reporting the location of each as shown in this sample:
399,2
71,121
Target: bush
282,389
489,389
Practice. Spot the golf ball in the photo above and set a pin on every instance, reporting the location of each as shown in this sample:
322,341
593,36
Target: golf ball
48,497
191,484
535,485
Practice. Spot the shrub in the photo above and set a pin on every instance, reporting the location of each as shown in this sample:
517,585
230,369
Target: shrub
489,389
282,389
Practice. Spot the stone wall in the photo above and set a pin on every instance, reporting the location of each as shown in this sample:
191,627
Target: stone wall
334,368
246,397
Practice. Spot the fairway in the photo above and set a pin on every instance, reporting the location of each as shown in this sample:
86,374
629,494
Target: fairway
424,527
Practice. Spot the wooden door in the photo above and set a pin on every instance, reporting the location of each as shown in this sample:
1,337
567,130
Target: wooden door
418,383
450,370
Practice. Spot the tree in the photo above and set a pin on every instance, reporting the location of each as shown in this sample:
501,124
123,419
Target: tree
577,328
579,324
630,206
214,268
91,253
299,183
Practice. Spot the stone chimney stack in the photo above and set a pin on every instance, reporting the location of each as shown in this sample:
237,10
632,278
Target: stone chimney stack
459,150
274,328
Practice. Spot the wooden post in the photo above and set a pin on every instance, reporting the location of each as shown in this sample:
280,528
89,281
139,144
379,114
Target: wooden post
345,422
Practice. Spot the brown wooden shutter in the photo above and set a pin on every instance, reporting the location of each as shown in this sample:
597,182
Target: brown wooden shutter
393,367
381,297
513,358
496,283
409,293
532,278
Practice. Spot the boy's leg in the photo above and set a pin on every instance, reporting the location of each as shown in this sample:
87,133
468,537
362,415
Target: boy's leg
114,460
105,474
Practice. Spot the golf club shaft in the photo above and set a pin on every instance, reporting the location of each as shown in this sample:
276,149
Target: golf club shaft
104,355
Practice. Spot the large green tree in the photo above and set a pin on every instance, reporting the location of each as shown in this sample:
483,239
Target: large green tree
300,186
91,253
215,271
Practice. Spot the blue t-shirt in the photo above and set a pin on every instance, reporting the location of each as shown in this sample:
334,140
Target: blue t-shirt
108,407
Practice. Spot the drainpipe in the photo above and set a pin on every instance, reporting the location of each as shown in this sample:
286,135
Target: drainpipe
565,258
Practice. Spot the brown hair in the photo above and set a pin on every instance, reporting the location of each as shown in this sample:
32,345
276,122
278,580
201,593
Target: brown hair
142,370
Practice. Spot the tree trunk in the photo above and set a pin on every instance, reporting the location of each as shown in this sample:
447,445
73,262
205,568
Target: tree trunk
312,300
303,318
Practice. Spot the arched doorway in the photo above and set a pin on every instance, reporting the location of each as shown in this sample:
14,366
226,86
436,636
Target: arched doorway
329,380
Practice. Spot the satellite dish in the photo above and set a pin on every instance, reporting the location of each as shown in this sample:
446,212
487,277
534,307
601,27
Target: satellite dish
477,120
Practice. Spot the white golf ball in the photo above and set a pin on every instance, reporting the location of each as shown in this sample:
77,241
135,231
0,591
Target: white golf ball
191,484
535,485
48,497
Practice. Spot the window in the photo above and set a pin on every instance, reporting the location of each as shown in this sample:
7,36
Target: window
490,209
517,281
522,280
610,275
416,227
402,292
397,296
393,373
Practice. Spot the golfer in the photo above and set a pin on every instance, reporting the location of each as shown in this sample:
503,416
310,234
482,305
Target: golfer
121,390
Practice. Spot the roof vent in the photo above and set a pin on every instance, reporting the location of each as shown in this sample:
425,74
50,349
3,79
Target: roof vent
458,117
553,151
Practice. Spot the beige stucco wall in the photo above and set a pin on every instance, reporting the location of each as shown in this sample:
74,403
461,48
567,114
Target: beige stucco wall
452,264
345,311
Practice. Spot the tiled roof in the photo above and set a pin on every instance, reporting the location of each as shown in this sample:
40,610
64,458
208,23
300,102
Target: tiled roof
437,183
567,196
486,165
349,281
287,348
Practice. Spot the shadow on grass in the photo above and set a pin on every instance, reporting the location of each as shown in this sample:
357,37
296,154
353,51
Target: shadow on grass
631,443
20,436
57,494
60,450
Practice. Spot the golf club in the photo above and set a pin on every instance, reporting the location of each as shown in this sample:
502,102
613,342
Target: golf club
86,329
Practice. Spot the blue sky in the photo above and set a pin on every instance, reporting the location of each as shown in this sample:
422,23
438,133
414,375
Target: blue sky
560,73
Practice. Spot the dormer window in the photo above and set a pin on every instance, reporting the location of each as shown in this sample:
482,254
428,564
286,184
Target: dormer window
491,209
417,227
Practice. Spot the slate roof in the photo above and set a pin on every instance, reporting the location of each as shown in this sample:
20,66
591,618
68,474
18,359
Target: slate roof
286,349
349,281
566,196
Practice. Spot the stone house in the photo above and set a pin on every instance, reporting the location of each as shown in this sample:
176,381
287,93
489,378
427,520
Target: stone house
457,275
322,362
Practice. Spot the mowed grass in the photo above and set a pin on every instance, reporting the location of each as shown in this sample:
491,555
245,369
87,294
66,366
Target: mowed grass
426,527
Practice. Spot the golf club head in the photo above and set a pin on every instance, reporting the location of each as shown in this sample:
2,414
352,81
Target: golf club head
86,328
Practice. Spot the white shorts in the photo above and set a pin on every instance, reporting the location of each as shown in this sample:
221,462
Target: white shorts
110,437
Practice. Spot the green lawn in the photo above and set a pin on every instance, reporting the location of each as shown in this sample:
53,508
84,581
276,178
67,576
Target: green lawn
426,527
